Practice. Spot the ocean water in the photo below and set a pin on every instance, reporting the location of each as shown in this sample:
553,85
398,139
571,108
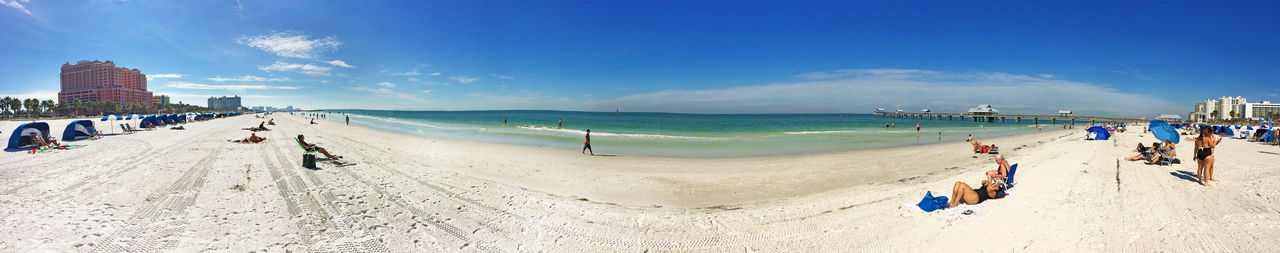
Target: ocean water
679,135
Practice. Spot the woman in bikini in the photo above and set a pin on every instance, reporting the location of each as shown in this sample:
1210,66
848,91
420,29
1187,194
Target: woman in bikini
963,193
1205,145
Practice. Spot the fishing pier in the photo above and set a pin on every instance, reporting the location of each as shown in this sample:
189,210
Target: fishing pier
1002,118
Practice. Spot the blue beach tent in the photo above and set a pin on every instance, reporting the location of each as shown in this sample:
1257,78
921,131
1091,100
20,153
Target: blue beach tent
1099,132
77,129
148,122
22,135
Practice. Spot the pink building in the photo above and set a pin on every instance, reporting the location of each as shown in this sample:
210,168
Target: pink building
103,81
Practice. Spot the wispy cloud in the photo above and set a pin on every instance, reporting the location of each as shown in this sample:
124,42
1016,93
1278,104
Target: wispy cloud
388,93
387,84
864,90
435,73
340,63
187,95
17,4
160,76
297,67
1124,69
463,79
503,77
878,73
42,95
426,91
410,73
248,78
414,79
186,85
291,44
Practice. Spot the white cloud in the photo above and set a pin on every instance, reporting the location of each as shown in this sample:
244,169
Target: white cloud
387,84
42,95
291,44
880,73
186,85
186,95
248,78
426,91
503,77
159,76
17,4
435,73
388,93
340,63
863,90
414,79
410,73
297,67
463,79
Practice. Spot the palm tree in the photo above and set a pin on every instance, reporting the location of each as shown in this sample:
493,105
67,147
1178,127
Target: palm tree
32,106
47,106
77,105
14,105
4,105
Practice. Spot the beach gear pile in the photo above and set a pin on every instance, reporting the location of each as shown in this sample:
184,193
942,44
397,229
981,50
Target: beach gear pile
931,203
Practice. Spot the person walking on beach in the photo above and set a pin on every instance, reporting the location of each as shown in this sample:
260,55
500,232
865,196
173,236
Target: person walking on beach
1205,145
348,120
587,146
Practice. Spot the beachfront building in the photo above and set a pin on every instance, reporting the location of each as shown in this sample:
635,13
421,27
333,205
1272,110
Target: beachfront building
1230,107
160,101
1260,110
103,82
983,110
1170,117
224,102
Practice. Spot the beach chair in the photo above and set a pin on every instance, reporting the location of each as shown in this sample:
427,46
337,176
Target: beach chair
308,155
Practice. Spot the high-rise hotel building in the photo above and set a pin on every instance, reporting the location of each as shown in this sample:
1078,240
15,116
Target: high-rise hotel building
103,81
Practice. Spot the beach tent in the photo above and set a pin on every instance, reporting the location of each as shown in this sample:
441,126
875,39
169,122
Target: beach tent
148,122
77,129
1163,131
1098,133
22,135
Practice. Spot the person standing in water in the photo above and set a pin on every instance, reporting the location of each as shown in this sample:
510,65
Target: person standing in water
917,128
560,124
348,120
587,146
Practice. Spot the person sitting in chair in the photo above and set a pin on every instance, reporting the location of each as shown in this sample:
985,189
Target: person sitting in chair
1002,169
43,142
311,147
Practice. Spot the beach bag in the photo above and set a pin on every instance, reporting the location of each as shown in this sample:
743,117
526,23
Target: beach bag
309,161
931,203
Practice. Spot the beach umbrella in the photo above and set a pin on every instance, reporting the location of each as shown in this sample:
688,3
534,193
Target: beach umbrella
1163,131
113,119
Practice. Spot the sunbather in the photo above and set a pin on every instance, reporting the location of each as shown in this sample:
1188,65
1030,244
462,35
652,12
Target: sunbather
178,128
43,142
311,147
977,146
963,193
1166,150
271,122
1002,169
253,138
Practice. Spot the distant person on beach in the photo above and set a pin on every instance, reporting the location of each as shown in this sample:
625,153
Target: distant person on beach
504,120
1165,150
271,122
1205,146
917,128
962,193
970,138
311,147
348,120
43,142
560,124
313,121
1002,169
587,146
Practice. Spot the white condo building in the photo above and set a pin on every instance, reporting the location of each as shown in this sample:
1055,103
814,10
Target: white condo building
1260,110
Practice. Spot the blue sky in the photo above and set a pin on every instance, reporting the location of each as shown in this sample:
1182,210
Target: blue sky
1106,58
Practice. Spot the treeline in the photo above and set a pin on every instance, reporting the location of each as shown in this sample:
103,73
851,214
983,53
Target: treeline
34,108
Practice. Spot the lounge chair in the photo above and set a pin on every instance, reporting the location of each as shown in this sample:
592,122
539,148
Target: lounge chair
1008,182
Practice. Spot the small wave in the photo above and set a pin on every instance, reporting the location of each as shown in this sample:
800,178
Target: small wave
397,121
641,136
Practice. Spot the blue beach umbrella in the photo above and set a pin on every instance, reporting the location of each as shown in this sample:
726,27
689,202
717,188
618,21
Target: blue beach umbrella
113,119
1163,131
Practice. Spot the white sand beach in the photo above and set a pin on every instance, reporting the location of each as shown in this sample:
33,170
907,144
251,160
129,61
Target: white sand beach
194,190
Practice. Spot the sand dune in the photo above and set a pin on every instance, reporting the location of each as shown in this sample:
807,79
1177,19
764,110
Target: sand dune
193,190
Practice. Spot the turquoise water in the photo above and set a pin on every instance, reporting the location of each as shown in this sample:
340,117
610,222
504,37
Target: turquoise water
679,135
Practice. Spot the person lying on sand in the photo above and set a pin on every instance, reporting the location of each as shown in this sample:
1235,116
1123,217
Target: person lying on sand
313,121
312,147
253,138
260,127
178,128
1001,171
962,193
271,122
